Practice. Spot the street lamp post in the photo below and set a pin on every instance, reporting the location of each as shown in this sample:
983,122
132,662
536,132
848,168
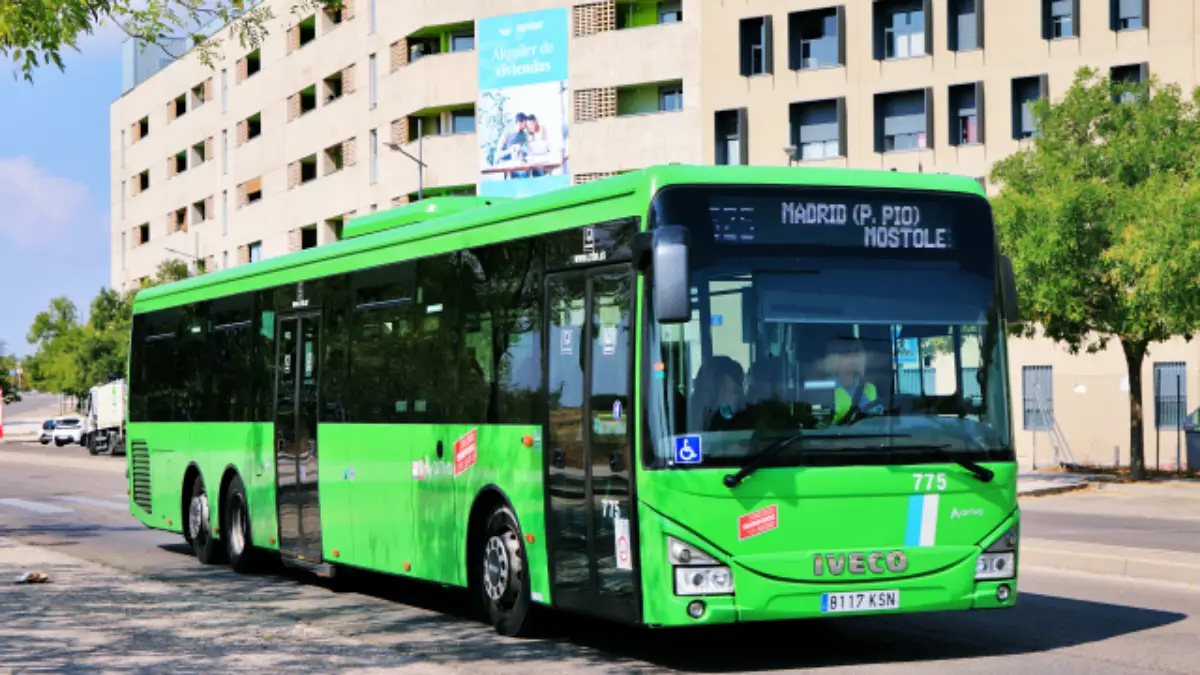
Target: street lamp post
419,159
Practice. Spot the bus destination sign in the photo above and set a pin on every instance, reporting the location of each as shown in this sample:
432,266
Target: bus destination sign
863,223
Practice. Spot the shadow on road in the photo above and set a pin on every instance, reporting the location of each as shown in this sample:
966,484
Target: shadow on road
435,624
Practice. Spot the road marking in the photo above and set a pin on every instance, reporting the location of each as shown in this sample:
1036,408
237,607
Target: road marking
34,506
115,506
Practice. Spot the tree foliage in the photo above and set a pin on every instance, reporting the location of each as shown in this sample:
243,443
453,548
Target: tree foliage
8,384
35,33
1099,215
72,357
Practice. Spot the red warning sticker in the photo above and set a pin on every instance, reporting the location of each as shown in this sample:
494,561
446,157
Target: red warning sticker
762,520
464,453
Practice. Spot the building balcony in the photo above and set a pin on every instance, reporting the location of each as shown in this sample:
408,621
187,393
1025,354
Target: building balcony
450,159
664,52
625,142
433,81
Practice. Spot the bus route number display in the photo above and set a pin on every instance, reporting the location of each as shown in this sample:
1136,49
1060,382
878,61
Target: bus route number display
869,224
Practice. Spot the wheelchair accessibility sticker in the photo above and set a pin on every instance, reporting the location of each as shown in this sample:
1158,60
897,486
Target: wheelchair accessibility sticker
687,450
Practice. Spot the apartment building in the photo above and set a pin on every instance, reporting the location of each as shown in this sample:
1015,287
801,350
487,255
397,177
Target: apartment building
273,149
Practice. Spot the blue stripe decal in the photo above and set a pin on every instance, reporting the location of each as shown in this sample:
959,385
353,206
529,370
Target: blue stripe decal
912,533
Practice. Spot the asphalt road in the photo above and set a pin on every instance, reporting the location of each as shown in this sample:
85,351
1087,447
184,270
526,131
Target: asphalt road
62,499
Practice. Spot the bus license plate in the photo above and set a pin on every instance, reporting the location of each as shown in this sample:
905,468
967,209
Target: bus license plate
863,601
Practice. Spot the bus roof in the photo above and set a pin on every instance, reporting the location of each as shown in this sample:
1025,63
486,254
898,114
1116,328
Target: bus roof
445,215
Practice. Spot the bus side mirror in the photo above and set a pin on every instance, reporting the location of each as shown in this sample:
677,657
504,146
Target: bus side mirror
669,270
1012,309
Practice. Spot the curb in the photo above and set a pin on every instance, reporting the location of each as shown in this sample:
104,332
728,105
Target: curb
1168,566
1053,490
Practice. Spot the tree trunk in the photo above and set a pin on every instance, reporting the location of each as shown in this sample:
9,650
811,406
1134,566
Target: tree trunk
1135,353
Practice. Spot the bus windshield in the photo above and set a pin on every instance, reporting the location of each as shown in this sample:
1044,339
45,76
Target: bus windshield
867,346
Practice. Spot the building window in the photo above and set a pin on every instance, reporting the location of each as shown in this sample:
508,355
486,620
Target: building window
1059,19
816,38
670,98
670,11
1026,90
374,143
123,246
902,29
224,91
224,151
818,129
462,121
1128,14
371,74
370,17
256,251
1127,76
755,46
1170,394
225,213
122,200
307,30
1037,394
308,237
966,114
731,136
462,41
122,148
225,260
902,120
966,25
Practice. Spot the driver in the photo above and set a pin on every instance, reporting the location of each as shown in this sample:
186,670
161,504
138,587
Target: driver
847,361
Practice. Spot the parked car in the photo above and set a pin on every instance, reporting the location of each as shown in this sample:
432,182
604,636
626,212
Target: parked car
47,432
68,430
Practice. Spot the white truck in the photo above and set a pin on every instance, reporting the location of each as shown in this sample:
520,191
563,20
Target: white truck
104,419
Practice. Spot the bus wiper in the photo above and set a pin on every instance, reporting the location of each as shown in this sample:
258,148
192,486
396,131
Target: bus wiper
732,479
981,472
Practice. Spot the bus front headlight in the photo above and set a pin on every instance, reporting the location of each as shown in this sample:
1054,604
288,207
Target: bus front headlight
697,572
998,561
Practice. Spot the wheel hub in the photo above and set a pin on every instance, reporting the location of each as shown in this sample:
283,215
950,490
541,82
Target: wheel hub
237,533
496,566
197,516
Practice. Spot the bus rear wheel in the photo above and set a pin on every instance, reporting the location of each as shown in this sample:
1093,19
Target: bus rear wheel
239,543
501,571
199,531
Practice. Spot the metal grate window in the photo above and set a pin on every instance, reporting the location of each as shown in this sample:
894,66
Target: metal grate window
1037,393
1170,394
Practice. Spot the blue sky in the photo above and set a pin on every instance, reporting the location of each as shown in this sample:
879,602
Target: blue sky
54,184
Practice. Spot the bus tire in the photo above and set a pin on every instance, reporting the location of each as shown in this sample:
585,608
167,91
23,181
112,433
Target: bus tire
501,569
236,533
199,529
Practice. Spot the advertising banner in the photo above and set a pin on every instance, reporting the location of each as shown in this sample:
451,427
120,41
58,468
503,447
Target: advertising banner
521,114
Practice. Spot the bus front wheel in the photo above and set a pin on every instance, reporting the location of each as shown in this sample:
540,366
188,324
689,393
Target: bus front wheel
501,570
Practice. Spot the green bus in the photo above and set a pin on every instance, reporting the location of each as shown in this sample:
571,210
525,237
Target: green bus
678,396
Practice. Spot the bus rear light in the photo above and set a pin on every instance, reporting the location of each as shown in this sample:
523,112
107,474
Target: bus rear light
994,566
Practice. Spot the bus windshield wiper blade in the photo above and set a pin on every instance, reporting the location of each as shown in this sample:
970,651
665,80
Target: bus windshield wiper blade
756,462
981,472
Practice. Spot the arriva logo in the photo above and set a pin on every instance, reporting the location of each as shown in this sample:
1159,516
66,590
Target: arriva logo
955,514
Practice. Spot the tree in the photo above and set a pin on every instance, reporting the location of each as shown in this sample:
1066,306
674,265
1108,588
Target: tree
1099,215
34,33
11,392
71,357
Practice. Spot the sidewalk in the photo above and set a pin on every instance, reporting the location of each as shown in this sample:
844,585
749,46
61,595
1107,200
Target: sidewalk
93,618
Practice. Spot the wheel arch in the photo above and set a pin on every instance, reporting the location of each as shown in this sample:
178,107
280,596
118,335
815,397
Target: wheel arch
227,477
487,498
190,474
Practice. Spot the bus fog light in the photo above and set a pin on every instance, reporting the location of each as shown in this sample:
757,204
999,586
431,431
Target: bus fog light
696,609
703,581
994,566
1002,593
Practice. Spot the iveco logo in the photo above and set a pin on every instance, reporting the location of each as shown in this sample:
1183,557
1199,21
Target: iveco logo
860,563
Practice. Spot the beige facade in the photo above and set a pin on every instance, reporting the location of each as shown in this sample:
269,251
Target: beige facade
275,149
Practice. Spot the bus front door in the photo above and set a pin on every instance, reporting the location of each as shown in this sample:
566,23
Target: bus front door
296,413
589,376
